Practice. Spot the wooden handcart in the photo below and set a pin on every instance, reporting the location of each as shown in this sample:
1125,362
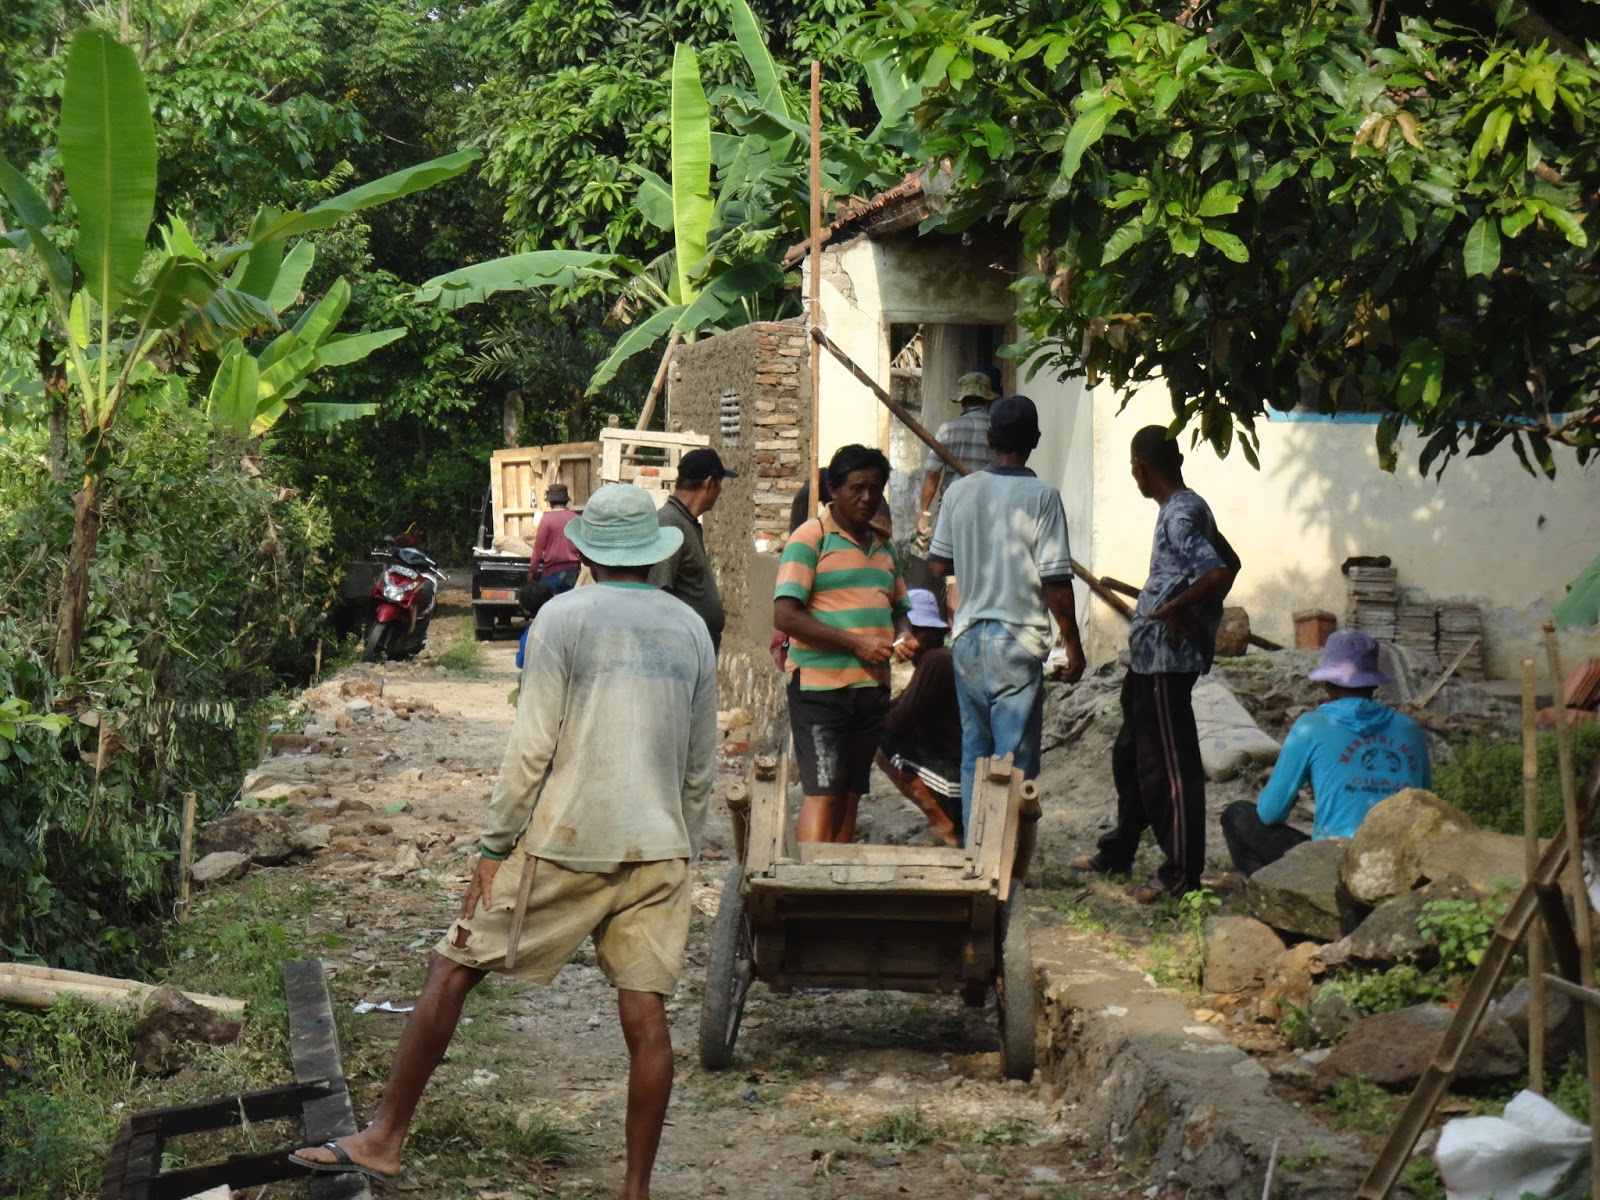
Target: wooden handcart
894,918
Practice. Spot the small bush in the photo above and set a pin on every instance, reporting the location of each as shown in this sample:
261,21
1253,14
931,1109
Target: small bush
1461,930
65,1068
1399,987
1571,1093
1359,1104
1483,778
905,1129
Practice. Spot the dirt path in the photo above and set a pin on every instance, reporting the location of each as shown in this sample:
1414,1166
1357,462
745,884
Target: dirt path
834,1094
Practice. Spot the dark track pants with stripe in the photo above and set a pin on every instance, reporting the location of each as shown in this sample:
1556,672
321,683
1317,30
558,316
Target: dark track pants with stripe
1161,783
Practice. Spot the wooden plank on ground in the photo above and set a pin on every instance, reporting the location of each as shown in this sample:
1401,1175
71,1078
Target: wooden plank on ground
314,1049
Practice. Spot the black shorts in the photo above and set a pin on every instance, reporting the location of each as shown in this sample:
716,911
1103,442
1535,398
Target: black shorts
836,734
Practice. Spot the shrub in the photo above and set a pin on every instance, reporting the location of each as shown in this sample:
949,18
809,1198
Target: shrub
205,598
1483,778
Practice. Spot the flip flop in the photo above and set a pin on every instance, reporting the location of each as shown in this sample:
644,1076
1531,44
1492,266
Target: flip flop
344,1166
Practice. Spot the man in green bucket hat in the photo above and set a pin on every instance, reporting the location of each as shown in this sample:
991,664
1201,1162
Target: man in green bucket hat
595,817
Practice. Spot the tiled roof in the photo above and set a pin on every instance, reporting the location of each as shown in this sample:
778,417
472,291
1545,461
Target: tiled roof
901,206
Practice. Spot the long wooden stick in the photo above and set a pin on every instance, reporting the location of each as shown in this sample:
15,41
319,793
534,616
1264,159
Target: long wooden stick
648,412
40,987
1438,683
920,431
1530,836
1580,889
814,309
186,847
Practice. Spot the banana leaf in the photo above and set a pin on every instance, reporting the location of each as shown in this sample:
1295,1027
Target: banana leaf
379,191
318,321
35,216
515,272
321,417
341,351
692,207
234,392
747,32
107,143
285,291
639,337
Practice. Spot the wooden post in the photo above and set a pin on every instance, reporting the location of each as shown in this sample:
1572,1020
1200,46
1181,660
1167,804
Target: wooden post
648,412
1580,891
1530,833
814,308
186,850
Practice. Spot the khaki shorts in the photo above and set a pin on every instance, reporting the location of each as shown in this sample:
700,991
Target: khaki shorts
638,914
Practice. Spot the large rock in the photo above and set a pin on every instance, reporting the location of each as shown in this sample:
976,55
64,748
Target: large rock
1385,856
170,1021
1389,934
1300,893
1563,1024
1292,981
263,837
219,867
1331,1016
1233,635
1486,861
1393,1049
1240,953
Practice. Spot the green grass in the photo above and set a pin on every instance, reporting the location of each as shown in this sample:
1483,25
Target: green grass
905,1129
1359,1105
65,1068
463,656
453,1136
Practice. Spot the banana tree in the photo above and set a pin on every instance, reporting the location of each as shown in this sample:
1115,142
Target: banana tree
114,304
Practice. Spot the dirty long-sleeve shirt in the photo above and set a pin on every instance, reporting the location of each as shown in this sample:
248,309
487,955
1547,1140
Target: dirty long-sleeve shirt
613,748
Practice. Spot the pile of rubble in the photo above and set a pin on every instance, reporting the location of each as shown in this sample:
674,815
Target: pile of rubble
1341,905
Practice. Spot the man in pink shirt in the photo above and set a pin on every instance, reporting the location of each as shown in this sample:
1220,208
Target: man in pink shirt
555,559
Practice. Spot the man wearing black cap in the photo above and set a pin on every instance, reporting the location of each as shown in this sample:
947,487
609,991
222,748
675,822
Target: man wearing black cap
1002,532
687,573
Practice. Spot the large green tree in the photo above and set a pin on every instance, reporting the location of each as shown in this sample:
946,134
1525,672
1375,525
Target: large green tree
1274,205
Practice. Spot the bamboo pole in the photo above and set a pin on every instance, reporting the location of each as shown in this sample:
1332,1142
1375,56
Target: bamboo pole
814,308
186,848
648,412
1530,834
1580,891
40,987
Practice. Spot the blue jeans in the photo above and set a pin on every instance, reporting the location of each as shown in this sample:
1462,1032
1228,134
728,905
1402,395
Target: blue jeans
1000,688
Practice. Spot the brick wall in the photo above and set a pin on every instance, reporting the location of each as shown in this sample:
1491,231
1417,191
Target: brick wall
749,391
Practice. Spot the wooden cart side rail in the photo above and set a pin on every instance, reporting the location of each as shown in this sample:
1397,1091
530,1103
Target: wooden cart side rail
861,854
800,877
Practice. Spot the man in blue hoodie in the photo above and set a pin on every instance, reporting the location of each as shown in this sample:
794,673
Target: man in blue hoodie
1353,750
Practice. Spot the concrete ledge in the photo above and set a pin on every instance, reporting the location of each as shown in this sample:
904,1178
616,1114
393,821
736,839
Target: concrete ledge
1177,1103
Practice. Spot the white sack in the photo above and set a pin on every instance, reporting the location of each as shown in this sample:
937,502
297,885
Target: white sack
1229,736
1534,1148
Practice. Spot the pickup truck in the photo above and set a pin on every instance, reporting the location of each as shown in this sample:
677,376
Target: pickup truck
514,500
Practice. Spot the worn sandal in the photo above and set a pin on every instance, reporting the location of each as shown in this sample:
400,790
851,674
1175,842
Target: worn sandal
344,1166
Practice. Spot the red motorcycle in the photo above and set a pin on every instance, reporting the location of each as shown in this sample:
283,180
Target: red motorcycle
403,598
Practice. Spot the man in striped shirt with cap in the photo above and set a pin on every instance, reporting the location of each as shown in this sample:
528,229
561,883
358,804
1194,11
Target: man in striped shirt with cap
842,603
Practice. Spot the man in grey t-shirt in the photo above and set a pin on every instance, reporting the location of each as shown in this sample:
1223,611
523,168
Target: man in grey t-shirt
1002,532
687,573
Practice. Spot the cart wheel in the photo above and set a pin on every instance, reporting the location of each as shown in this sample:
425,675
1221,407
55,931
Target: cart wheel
728,976
1014,993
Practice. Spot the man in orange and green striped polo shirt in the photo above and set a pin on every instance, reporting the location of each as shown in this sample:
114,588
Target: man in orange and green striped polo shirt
842,603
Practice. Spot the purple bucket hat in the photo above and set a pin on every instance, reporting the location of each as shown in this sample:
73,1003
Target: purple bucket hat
1350,659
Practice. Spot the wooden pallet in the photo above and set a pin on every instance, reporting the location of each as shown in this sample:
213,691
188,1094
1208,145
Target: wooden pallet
319,1097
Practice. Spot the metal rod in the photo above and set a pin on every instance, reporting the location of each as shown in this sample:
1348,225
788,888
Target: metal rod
1580,890
1530,835
814,309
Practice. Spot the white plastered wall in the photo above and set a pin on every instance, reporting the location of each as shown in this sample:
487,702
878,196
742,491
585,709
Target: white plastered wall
1488,532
